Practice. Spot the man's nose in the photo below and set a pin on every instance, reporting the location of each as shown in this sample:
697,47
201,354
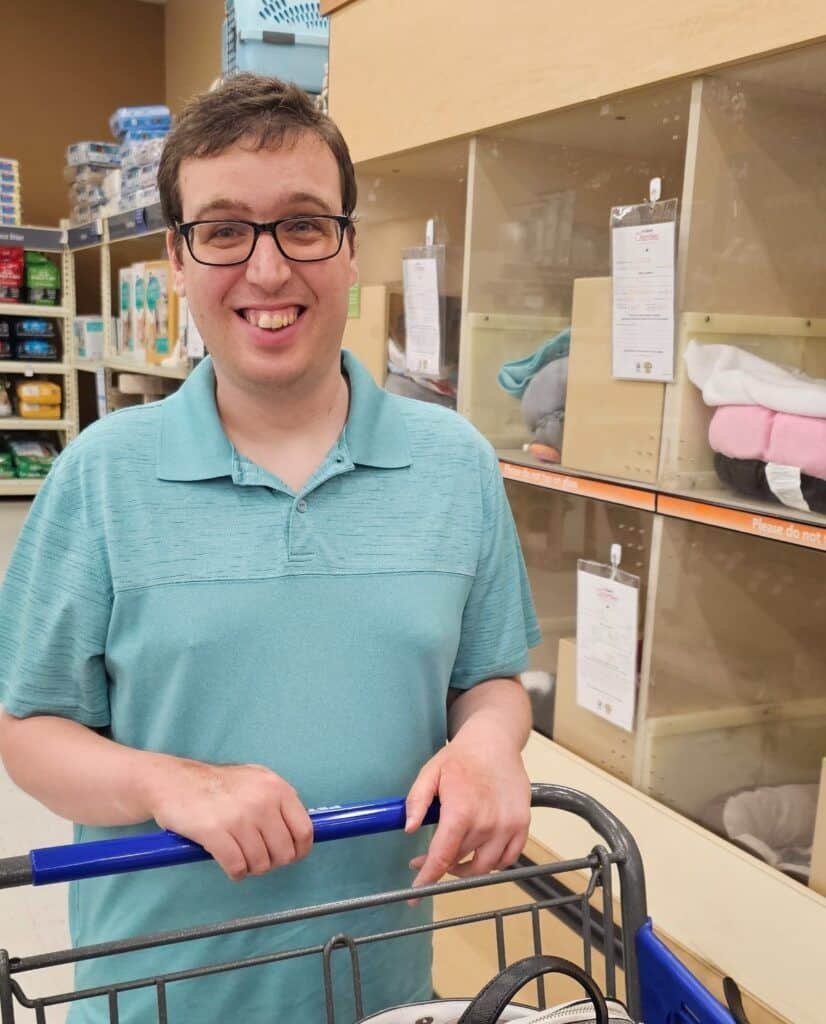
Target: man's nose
267,267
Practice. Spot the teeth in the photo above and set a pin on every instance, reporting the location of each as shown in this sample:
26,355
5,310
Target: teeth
271,321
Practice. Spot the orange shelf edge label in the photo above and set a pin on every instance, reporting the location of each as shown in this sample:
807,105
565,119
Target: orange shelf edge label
754,523
581,486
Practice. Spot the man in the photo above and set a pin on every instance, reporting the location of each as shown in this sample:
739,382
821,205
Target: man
281,588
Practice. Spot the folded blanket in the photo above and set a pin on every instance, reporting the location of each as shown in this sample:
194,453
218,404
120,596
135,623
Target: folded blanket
514,377
752,432
758,479
731,376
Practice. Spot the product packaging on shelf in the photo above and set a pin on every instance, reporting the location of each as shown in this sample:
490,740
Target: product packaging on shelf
88,332
126,282
101,154
32,456
42,392
12,273
138,295
160,323
42,280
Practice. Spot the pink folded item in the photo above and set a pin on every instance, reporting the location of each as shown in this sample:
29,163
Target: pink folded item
799,441
741,431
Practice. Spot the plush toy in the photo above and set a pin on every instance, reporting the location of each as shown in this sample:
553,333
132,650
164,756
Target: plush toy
541,381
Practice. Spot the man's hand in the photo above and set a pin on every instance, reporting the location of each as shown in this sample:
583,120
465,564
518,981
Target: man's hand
481,783
246,816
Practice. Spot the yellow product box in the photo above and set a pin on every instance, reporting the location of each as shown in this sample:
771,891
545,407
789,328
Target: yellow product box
36,411
160,317
134,344
42,392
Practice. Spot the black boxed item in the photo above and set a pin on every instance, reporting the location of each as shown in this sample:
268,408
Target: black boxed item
33,327
36,348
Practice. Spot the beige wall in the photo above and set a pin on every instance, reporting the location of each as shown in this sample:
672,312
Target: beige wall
193,48
71,66
67,67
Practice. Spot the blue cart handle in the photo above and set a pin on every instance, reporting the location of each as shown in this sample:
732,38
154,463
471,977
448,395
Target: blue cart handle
163,849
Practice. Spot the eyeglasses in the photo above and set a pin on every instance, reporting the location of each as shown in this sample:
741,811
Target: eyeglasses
224,243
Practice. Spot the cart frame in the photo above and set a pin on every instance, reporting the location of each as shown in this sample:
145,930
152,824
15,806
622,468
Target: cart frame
620,851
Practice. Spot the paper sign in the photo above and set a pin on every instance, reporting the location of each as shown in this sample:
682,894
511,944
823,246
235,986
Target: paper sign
643,321
606,643
421,315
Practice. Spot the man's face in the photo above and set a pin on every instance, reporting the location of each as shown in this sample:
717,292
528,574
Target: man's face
229,303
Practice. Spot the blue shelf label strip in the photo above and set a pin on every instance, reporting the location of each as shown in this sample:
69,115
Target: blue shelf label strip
40,239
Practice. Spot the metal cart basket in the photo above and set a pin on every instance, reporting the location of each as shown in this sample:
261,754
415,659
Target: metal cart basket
659,989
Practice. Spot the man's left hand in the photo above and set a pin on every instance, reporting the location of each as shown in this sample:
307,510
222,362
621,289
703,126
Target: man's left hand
485,800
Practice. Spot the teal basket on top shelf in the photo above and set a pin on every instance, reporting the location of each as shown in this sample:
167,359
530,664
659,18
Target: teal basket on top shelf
286,38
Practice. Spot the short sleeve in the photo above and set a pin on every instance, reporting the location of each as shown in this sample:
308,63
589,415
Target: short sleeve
499,622
55,606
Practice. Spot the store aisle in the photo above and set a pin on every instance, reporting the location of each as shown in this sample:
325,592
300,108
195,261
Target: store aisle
31,920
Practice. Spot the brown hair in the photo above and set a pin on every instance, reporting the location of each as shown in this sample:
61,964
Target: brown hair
246,106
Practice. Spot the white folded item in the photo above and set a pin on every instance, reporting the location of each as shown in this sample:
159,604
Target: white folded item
727,375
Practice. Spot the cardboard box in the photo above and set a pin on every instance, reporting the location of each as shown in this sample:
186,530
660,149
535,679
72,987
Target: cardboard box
136,325
160,316
126,282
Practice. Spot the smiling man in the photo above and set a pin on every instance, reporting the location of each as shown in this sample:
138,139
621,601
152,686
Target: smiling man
280,588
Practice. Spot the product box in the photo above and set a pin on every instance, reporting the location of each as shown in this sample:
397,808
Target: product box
42,280
126,288
136,347
88,331
12,273
160,324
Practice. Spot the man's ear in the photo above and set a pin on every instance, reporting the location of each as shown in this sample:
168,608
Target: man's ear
173,251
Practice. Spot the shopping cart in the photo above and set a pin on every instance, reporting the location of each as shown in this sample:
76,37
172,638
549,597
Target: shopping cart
659,989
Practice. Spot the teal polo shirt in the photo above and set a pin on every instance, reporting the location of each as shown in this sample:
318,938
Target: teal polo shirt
172,594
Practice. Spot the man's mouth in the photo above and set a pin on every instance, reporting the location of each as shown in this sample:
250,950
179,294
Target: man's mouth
271,319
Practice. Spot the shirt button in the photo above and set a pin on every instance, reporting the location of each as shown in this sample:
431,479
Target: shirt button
302,506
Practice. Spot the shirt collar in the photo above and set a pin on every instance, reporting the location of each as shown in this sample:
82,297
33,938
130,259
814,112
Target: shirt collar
193,445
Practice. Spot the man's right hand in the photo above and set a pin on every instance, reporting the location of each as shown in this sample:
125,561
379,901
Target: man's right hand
247,817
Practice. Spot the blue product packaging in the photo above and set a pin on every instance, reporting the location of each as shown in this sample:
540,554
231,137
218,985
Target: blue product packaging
36,348
34,327
141,119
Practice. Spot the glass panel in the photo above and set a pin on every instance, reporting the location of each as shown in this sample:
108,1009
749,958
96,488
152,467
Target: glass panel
555,530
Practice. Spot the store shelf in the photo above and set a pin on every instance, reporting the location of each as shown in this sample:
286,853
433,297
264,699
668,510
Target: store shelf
22,309
92,365
12,488
29,369
517,466
133,366
712,507
18,423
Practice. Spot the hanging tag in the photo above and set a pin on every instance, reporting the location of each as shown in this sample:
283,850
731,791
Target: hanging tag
655,190
643,260
606,640
424,308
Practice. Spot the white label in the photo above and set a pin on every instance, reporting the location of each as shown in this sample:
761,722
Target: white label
643,313
606,647
421,315
194,342
785,484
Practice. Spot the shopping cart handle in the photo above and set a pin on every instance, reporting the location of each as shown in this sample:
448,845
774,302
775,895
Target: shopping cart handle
163,849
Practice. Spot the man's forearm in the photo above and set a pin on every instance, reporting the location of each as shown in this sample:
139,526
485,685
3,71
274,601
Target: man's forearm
500,705
77,773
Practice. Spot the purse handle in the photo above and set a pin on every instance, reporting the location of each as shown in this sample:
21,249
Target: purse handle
495,996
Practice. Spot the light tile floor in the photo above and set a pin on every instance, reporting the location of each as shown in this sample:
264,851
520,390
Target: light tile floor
31,920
